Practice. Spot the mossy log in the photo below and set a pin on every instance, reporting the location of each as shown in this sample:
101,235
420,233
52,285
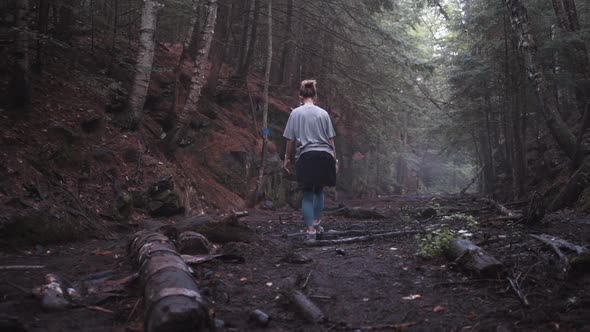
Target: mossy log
171,298
473,258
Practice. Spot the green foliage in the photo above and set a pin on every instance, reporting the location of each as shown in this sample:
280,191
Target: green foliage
468,219
434,243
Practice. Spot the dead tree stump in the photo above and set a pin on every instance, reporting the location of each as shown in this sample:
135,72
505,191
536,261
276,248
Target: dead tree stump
172,299
473,258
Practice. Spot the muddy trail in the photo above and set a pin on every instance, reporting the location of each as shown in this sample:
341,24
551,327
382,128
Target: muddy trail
367,285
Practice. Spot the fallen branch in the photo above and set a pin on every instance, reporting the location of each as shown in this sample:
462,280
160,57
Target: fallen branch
323,243
501,208
172,299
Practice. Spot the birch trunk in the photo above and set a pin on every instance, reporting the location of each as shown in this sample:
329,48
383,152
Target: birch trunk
21,81
265,106
559,130
145,60
198,78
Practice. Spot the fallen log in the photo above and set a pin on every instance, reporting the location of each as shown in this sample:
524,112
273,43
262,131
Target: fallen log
365,238
473,258
358,213
171,298
310,311
226,229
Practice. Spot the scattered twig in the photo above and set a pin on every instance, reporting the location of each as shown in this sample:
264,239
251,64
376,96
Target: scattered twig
101,309
21,267
515,285
322,243
306,280
132,311
20,288
394,327
466,282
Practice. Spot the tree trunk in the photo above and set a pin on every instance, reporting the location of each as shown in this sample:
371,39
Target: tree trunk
66,20
559,130
143,68
567,17
247,17
43,28
178,133
220,48
253,36
189,34
20,85
265,106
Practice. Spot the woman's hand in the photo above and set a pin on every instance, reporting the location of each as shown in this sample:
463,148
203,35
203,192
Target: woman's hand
286,165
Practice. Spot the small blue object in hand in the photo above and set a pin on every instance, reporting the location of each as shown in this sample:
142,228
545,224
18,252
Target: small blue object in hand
265,132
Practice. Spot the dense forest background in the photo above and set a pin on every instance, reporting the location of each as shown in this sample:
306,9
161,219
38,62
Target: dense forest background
118,107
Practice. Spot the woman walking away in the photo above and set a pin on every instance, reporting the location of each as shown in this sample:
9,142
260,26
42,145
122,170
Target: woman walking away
310,130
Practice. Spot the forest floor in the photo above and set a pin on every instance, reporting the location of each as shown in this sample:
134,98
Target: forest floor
380,285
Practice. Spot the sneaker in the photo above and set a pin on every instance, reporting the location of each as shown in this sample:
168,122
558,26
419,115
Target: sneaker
310,237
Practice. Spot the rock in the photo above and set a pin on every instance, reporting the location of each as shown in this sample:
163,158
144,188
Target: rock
63,133
428,213
267,205
219,324
104,155
193,243
295,258
92,124
150,224
260,318
123,206
162,200
10,323
131,155
118,97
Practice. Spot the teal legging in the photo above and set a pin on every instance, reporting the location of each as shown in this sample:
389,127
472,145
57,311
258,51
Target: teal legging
313,206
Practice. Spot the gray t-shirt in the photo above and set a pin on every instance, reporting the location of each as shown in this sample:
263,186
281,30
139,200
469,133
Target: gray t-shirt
311,128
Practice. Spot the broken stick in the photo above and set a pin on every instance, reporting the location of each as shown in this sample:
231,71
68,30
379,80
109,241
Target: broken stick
365,238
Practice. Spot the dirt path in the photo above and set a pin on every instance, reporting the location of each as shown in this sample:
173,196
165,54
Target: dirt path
379,285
